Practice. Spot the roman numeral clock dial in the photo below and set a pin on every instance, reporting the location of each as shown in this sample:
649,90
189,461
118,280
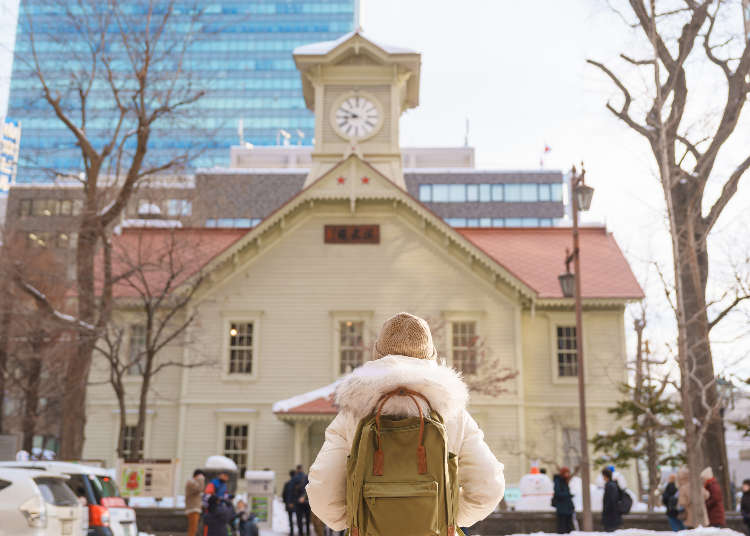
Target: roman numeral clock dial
357,117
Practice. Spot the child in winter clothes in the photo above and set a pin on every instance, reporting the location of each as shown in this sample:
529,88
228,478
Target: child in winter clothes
406,357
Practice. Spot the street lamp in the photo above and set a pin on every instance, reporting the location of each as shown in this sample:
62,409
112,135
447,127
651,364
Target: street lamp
570,284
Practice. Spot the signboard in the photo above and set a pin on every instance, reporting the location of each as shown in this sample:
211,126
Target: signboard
512,495
147,479
8,447
352,234
260,487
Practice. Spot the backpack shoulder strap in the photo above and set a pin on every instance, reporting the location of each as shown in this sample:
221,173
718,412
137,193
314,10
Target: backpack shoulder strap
378,460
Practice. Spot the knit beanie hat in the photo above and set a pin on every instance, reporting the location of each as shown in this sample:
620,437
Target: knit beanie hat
405,334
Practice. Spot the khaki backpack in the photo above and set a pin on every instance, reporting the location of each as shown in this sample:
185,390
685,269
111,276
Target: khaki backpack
401,479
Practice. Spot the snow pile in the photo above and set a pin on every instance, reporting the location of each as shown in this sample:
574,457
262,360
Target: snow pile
283,406
536,492
324,47
701,531
220,462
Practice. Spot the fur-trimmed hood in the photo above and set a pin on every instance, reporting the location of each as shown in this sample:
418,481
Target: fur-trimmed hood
441,385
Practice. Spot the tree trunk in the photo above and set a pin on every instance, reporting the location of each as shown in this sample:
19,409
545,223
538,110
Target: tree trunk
653,469
701,379
31,399
74,399
120,393
5,317
140,429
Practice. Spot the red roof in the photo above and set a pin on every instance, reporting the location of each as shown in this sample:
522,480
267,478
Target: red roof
536,256
319,406
165,256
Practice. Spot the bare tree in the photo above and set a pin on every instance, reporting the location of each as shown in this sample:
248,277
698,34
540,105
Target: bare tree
157,273
137,61
34,344
679,34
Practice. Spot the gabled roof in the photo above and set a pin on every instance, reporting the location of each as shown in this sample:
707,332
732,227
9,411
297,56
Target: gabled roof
527,260
324,47
537,257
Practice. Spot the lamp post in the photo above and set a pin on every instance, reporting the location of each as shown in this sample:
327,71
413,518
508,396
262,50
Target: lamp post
580,199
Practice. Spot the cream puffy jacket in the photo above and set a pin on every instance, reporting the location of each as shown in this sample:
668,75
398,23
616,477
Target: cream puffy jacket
480,475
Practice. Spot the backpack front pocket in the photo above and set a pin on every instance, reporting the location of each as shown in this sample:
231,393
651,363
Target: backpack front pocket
394,508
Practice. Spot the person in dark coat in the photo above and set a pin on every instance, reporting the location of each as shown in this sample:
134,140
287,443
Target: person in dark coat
745,504
218,516
670,499
301,503
562,500
611,516
715,501
290,499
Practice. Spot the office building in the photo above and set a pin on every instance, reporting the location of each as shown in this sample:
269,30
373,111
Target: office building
241,57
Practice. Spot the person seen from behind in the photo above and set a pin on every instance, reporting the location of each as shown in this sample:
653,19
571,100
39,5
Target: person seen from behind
562,500
684,501
289,497
611,516
745,504
193,499
301,502
670,500
405,360
715,500
218,516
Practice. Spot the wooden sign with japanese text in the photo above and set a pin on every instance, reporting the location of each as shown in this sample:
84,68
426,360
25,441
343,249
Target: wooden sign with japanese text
352,234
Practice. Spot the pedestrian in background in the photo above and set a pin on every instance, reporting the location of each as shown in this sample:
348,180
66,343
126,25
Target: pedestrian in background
611,516
670,500
288,495
685,503
562,500
218,516
301,503
715,500
745,504
193,495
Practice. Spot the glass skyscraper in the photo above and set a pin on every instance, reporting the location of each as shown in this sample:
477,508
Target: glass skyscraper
242,58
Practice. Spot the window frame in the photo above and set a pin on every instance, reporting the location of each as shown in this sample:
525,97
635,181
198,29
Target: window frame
242,417
565,320
460,316
131,328
131,419
239,317
354,316
143,439
566,351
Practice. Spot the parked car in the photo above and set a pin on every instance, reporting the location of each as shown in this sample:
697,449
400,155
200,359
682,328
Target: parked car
38,503
109,514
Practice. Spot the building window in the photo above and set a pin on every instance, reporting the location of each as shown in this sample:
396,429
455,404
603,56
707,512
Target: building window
571,447
457,193
129,450
232,222
24,208
440,193
464,347
497,192
351,345
472,192
235,445
485,193
513,192
179,207
136,347
241,348
425,193
567,353
545,192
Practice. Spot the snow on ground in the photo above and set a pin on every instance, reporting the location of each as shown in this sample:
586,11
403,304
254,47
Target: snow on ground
701,531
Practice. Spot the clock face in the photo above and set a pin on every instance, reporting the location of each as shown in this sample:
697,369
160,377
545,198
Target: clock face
357,117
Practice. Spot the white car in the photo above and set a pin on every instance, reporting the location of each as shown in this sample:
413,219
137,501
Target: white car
37,503
108,513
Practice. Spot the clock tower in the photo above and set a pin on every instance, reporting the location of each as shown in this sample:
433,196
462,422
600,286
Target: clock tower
358,89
